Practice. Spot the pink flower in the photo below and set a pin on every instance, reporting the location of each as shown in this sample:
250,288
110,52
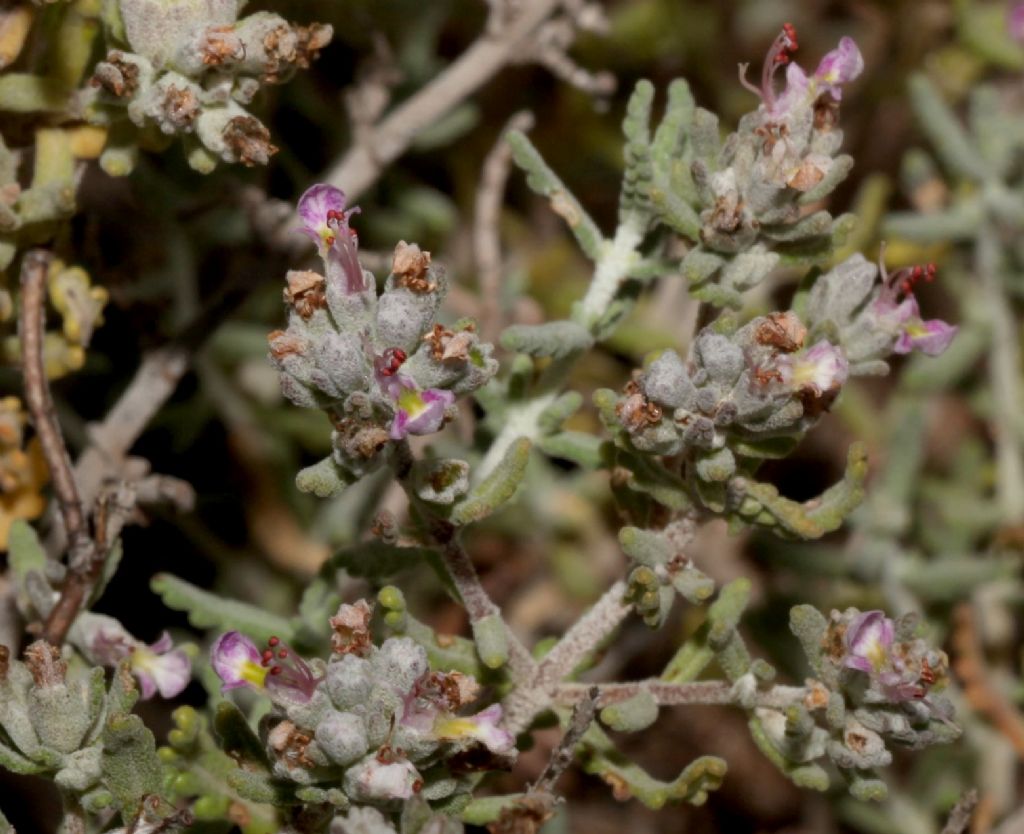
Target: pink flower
931,337
821,368
418,412
868,641
325,220
161,668
484,727
840,66
158,667
277,669
896,308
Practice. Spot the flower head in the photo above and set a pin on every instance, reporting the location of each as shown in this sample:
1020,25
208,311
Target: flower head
896,308
484,727
325,220
323,214
820,369
278,669
840,66
897,670
158,667
418,412
868,641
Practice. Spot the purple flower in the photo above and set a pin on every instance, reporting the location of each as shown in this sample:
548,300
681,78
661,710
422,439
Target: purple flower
238,662
158,667
418,412
277,669
896,308
325,221
484,727
161,668
931,337
1015,21
869,639
840,66
821,368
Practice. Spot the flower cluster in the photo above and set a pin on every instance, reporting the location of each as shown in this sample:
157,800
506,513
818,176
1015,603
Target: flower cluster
191,69
377,720
761,382
752,190
897,670
382,367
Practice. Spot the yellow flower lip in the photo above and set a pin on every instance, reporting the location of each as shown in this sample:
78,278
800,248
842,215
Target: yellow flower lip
253,673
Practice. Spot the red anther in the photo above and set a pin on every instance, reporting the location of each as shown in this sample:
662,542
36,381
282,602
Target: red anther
273,641
275,670
393,359
268,655
283,654
336,215
789,30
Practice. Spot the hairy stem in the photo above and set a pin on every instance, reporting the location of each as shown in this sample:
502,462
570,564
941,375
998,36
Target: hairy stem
704,693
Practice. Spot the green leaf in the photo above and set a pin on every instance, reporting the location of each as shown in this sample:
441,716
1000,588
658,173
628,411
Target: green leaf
24,551
496,488
207,610
692,785
544,181
324,479
131,768
556,339
236,736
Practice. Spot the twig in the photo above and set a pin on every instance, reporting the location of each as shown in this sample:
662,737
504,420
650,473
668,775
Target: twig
586,634
364,161
960,816
84,561
582,717
486,227
534,694
479,605
700,693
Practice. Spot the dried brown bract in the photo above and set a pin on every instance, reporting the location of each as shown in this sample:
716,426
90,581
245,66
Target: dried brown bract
635,411
284,344
116,75
45,663
783,331
291,744
410,265
306,292
249,140
350,629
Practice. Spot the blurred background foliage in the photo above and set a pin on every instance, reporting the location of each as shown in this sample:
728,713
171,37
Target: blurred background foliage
168,245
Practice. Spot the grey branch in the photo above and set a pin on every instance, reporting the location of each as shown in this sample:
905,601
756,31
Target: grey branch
84,560
960,816
583,715
494,49
702,693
